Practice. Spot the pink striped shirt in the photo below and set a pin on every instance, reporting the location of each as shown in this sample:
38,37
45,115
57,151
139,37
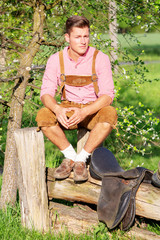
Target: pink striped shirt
83,67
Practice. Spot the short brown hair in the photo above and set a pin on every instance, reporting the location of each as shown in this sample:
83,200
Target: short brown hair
76,21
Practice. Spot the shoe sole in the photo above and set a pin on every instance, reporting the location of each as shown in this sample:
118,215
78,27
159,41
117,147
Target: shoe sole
61,177
80,179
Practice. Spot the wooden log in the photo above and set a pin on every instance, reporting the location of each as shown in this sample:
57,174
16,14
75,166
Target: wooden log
82,219
32,179
77,219
147,197
141,234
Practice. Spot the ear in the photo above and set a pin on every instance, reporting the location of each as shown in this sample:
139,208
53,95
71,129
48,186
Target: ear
67,37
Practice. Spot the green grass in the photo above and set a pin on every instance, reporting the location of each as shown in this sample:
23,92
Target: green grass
147,93
11,229
146,39
149,161
145,45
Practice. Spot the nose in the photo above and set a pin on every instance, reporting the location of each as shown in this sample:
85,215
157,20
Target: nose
83,40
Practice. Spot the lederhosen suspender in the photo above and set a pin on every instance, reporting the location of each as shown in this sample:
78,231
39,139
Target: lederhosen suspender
77,81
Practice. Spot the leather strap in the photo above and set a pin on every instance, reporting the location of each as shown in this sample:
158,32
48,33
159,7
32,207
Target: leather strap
94,62
61,61
62,76
94,75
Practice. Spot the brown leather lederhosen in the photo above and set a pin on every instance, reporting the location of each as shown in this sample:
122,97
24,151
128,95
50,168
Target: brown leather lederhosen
77,81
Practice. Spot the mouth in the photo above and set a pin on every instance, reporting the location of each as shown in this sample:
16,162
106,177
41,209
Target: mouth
83,46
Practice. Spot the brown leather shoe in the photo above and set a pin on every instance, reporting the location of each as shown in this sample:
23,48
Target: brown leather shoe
64,170
80,172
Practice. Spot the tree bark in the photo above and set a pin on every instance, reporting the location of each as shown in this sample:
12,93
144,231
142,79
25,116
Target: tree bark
82,219
32,179
9,185
141,234
113,32
77,219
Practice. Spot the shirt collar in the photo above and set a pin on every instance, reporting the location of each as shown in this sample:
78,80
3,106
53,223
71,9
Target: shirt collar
79,59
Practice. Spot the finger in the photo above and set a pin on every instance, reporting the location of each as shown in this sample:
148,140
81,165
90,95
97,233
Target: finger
63,121
64,124
74,121
73,118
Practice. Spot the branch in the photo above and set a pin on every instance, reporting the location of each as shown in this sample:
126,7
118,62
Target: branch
10,79
53,44
5,103
10,41
33,86
41,67
50,6
13,28
27,3
37,105
11,49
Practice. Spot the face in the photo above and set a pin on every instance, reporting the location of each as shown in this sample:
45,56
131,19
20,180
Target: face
78,40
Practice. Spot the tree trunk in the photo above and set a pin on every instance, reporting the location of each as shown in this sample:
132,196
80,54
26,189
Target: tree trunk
9,185
113,32
2,57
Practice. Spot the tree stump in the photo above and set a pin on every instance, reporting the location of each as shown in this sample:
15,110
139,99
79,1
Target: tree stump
82,137
32,179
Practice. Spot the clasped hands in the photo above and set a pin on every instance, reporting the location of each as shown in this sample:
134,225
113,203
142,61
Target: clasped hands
70,116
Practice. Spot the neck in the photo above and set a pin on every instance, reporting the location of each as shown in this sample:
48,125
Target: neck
73,55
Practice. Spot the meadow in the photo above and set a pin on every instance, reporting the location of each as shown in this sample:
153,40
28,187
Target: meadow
148,94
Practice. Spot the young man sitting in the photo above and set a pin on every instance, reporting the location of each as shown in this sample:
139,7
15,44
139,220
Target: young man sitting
85,79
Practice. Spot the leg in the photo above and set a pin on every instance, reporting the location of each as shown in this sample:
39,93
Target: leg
101,126
56,135
97,135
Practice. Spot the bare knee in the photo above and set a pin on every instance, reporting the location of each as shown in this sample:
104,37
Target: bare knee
104,125
46,129
103,128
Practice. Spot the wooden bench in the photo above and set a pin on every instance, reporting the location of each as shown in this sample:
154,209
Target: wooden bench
37,188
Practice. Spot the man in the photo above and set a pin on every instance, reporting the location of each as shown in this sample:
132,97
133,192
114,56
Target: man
85,79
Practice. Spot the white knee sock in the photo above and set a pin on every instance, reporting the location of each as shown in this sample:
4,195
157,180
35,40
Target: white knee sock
69,152
82,156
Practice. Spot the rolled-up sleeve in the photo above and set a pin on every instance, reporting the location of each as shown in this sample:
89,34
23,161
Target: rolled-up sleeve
104,72
49,81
